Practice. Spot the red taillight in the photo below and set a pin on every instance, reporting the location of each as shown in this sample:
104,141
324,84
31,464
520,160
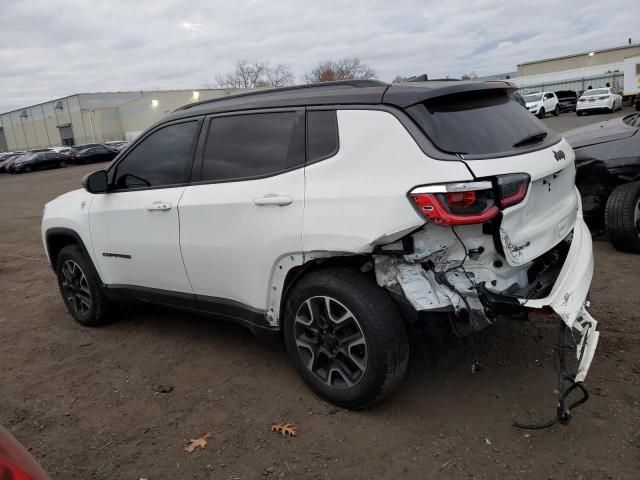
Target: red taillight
456,204
604,97
582,100
468,203
8,471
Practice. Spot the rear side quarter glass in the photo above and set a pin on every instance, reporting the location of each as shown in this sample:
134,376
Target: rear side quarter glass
322,135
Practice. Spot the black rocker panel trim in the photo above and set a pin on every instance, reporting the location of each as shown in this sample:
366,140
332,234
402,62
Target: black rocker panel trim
228,310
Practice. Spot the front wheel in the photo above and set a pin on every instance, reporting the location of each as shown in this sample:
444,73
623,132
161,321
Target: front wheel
345,337
622,217
556,111
541,113
80,287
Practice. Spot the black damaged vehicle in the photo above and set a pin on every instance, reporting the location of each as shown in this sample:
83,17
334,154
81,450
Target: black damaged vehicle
608,177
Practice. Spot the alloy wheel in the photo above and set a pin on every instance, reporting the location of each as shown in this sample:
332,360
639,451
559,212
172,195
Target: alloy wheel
76,288
330,342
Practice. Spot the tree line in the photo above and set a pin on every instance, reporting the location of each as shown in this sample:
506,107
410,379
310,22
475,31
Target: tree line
247,74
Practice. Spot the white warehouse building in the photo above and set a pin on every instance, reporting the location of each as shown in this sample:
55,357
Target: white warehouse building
619,67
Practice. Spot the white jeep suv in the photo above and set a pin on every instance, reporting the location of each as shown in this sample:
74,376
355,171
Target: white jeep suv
340,217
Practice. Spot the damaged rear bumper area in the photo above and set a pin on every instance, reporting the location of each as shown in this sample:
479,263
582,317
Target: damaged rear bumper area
461,272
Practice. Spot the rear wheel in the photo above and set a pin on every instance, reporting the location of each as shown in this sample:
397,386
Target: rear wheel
80,287
622,217
28,169
63,164
541,113
556,111
345,337
579,113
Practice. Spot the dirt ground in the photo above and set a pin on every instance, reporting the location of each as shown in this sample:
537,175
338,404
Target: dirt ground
119,402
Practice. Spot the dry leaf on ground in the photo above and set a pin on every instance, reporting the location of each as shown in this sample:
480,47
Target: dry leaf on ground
284,428
197,443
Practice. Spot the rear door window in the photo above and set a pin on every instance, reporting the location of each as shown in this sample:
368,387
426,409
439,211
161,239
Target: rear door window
480,123
253,145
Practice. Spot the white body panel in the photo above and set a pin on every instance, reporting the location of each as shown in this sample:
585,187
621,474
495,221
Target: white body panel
548,212
231,244
359,197
126,223
70,211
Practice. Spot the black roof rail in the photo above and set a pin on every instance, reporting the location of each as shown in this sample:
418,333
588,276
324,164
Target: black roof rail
337,83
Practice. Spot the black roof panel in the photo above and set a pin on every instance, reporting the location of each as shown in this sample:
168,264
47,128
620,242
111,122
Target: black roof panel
350,92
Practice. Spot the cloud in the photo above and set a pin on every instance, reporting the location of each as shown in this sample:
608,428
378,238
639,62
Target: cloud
52,49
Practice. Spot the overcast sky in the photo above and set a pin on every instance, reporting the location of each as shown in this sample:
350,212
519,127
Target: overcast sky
51,48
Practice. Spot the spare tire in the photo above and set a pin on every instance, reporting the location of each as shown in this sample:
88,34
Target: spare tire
622,217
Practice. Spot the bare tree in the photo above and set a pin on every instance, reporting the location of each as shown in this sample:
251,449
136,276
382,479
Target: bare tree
469,76
344,69
279,76
255,74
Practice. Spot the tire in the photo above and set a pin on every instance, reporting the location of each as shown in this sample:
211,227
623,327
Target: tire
381,351
27,170
78,281
556,111
63,164
541,113
578,113
622,217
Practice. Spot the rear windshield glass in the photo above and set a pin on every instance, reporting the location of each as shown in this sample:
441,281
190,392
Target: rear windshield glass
480,123
597,91
534,97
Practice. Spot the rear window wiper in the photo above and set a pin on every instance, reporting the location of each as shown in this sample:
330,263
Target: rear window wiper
533,138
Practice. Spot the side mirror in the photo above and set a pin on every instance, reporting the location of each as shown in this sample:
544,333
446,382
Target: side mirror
96,182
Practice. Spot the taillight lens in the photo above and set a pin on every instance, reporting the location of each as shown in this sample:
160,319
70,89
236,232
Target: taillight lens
604,97
466,203
582,100
512,188
456,203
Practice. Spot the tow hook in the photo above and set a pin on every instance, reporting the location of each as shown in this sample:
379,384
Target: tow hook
566,386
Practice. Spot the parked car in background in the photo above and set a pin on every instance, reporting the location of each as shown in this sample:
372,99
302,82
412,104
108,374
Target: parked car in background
7,164
491,224
598,99
98,153
638,102
608,177
38,161
77,148
567,100
541,103
6,158
61,149
116,146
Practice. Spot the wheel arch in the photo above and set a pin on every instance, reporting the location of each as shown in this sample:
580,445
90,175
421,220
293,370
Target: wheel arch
285,277
59,237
